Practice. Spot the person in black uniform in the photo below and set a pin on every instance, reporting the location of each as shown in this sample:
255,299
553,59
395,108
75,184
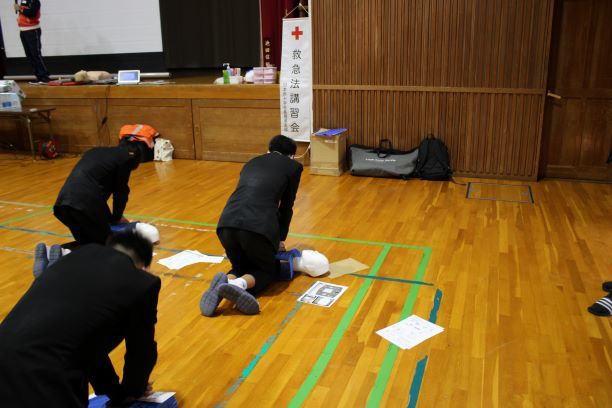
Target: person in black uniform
254,225
58,336
81,203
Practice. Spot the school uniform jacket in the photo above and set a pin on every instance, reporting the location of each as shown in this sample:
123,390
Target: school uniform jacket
59,334
263,200
102,171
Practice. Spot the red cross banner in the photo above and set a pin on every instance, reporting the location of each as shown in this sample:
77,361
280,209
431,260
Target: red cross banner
296,79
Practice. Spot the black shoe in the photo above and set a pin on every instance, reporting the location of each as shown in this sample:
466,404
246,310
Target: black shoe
211,299
607,286
245,302
55,253
40,259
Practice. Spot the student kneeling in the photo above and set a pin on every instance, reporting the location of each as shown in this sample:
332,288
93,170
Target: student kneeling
253,226
58,336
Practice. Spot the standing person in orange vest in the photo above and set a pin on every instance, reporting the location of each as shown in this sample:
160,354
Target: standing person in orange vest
28,20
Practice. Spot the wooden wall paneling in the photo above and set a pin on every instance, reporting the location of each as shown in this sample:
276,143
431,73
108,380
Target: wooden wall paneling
13,133
600,75
581,72
172,118
596,142
493,134
221,125
465,70
437,43
76,123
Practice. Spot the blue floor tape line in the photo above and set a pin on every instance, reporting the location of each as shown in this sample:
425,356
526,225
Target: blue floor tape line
391,279
419,372
264,349
53,234
417,379
433,315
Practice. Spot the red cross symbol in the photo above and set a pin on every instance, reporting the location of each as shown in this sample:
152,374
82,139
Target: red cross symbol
297,33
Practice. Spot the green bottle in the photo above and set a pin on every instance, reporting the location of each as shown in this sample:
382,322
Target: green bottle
226,73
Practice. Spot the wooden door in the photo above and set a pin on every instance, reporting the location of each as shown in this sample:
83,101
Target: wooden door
578,122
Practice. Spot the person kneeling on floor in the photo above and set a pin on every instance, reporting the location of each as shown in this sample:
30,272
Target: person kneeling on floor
254,225
58,336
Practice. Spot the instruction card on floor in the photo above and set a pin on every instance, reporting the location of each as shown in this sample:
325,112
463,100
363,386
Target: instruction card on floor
186,258
409,332
323,294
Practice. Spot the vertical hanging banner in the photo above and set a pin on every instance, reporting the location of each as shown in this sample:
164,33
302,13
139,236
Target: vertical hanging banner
296,79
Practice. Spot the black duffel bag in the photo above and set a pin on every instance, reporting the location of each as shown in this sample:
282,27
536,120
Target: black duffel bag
382,161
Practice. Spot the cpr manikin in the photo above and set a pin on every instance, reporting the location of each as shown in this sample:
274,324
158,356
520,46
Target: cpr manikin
312,263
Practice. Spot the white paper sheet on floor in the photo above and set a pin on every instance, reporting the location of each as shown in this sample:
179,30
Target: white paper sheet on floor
187,258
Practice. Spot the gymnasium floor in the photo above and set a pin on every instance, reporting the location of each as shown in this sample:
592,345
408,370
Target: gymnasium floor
508,279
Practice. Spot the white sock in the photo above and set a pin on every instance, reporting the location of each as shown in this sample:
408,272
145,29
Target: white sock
65,251
241,283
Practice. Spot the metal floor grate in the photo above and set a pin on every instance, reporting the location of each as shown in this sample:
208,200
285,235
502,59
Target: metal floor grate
513,193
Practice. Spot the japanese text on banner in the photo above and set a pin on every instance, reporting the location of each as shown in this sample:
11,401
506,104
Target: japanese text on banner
296,79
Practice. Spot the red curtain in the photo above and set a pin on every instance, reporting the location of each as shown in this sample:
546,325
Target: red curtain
272,14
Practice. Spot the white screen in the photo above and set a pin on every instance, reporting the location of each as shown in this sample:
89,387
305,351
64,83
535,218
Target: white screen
86,27
126,76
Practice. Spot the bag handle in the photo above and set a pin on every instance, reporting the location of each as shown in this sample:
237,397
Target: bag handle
383,151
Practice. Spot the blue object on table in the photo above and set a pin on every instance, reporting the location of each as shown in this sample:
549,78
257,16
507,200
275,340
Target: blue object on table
285,272
99,401
128,226
331,132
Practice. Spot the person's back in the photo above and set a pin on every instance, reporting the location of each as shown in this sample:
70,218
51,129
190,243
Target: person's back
81,204
263,199
96,176
73,315
254,225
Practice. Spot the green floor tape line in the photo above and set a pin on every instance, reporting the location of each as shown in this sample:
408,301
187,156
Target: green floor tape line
25,204
333,342
25,217
321,364
207,224
147,217
387,366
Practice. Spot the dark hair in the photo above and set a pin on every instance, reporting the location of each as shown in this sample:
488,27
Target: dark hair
283,145
133,151
134,245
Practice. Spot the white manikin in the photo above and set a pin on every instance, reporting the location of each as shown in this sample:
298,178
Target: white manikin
312,263
148,231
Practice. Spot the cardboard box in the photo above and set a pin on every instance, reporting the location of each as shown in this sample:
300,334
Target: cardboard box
328,154
9,101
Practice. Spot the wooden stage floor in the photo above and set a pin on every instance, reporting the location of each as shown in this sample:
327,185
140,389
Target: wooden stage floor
508,280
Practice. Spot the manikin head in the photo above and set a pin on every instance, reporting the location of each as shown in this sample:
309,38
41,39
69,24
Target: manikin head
312,263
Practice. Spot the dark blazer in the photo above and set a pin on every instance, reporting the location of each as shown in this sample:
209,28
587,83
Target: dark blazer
58,336
263,199
102,171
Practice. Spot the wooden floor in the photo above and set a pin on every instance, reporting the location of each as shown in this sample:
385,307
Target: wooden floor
509,281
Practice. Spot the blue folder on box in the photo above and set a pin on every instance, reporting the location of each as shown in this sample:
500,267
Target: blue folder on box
99,401
330,132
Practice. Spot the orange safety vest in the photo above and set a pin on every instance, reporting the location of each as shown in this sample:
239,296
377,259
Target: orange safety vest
27,23
140,132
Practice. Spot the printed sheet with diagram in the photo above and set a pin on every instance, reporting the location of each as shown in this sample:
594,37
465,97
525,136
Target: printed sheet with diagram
322,294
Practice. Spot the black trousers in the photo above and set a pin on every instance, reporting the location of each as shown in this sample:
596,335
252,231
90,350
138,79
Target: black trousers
250,253
85,228
32,47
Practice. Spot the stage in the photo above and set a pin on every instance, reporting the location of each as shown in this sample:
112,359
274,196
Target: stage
203,121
